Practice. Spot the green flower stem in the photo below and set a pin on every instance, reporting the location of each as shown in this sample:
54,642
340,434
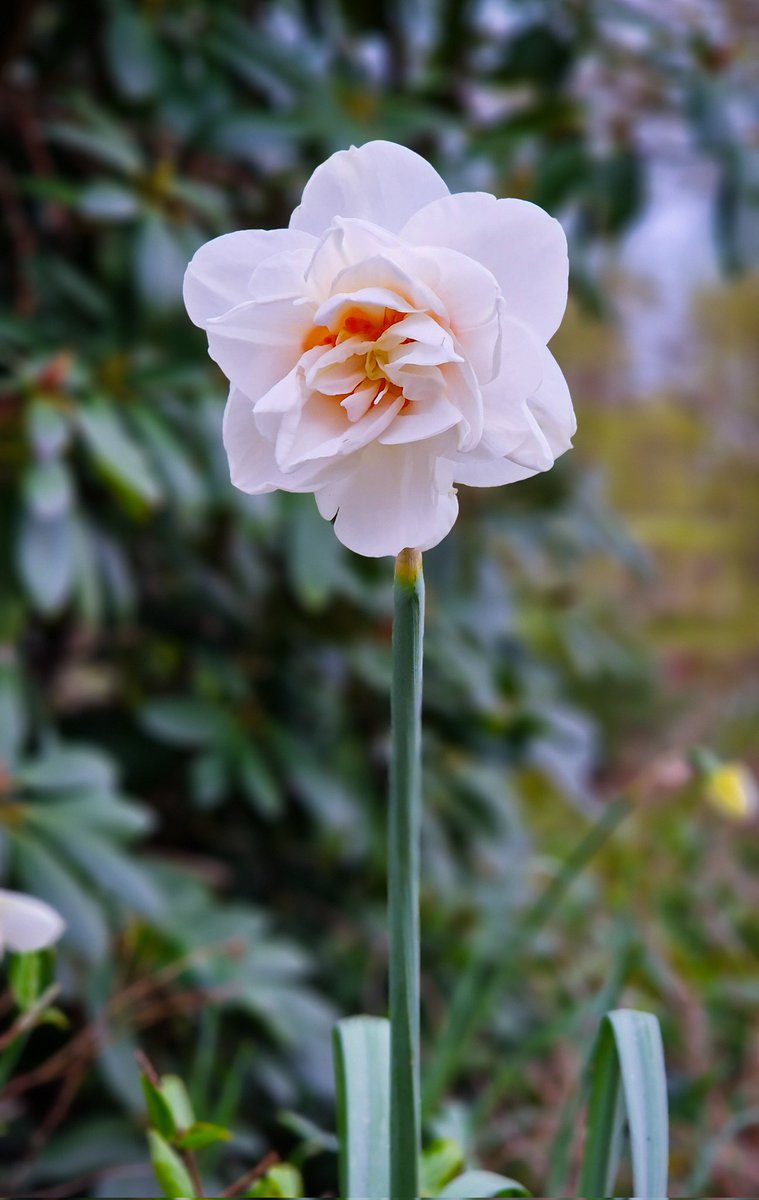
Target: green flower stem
403,876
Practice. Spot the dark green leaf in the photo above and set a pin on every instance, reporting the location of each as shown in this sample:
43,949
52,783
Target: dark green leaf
202,1134
181,722
160,263
112,148
108,202
111,869
133,53
159,1109
46,561
49,429
68,768
43,875
13,720
116,453
282,1180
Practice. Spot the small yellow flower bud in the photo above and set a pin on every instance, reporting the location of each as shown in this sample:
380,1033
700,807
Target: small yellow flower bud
731,789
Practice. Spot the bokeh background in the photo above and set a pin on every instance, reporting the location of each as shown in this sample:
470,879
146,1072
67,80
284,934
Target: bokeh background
193,683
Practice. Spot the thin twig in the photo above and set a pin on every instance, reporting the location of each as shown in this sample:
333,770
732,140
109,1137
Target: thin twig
76,1187
147,1068
252,1175
191,1162
29,1019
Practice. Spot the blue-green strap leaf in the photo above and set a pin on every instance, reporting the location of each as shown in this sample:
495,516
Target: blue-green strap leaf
628,1082
475,1184
362,1069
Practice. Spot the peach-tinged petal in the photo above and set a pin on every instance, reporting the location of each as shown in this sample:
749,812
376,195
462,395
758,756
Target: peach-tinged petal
419,422
323,430
337,376
218,276
422,384
393,340
359,402
27,924
379,181
396,271
253,467
523,247
373,300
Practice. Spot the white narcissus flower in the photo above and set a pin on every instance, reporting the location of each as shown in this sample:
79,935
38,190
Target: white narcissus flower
387,345
26,923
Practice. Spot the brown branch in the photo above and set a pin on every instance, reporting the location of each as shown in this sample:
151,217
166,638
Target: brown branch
191,1162
147,1068
75,1187
29,1019
252,1175
86,1044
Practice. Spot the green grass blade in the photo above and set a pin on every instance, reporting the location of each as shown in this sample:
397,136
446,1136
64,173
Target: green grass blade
628,1082
404,822
481,985
362,1069
607,998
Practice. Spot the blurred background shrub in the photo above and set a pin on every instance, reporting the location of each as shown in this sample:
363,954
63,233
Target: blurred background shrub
193,683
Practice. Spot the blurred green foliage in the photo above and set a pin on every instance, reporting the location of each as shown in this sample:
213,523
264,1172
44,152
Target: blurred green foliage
193,684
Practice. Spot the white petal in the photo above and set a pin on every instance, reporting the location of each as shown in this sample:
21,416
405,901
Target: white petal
360,401
552,406
463,390
419,422
281,276
536,432
524,248
372,299
346,243
493,473
269,410
472,298
257,344
27,923
379,182
323,430
396,496
395,270
519,377
454,380
419,331
421,384
218,276
338,374
252,465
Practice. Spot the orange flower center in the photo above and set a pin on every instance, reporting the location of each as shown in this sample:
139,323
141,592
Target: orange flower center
355,322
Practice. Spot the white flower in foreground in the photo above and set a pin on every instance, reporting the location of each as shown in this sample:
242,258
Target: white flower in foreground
389,344
27,923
